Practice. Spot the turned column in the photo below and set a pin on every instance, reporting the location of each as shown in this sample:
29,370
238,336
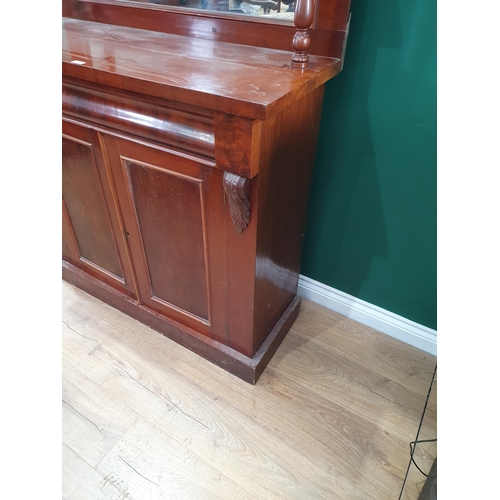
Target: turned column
304,16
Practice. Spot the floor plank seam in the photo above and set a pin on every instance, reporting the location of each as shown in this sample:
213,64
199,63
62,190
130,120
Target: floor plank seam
296,434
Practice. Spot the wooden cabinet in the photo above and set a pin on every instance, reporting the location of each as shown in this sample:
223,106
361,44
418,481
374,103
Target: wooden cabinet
93,238
169,203
141,218
186,170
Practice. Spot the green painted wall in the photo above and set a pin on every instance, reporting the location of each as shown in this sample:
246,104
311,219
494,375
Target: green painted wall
372,215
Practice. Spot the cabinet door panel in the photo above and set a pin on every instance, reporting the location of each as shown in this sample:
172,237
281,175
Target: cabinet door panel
92,237
86,207
169,212
70,250
172,205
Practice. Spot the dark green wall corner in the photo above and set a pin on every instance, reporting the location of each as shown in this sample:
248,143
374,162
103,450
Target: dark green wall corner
371,228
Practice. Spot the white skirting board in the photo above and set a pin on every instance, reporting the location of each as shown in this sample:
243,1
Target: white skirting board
368,314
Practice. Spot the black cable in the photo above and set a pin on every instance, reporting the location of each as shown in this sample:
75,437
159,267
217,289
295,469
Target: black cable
412,451
418,433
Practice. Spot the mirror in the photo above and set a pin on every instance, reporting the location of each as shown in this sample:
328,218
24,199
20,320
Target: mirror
275,10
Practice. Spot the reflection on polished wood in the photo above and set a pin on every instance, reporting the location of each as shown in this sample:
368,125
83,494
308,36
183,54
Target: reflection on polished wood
302,39
187,163
256,83
328,37
157,120
331,418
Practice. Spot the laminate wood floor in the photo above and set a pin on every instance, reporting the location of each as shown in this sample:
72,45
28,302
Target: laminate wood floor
331,417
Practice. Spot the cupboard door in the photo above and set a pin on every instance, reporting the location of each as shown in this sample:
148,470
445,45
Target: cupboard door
92,236
171,204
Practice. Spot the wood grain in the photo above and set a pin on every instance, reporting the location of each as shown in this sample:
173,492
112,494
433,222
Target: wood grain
209,254
81,185
327,39
153,465
362,344
93,419
185,127
287,151
235,79
93,237
192,417
83,482
192,430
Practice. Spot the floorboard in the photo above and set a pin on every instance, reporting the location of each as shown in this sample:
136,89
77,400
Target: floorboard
331,417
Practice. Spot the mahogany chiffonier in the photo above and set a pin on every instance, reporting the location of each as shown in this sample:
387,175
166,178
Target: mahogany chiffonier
189,137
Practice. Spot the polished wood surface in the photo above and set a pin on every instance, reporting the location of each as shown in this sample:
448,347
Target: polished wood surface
331,418
328,37
237,144
174,204
93,237
288,143
162,200
167,122
210,253
247,368
186,180
236,79
81,186
304,16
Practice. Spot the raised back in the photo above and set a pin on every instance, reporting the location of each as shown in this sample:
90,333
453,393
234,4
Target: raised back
187,165
329,20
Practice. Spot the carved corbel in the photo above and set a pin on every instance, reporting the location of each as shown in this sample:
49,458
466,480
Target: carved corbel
237,190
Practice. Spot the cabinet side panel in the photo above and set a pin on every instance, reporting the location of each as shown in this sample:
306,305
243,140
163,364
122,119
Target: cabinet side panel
86,208
169,212
287,150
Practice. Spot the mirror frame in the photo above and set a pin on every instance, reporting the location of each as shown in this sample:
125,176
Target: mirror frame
193,11
327,38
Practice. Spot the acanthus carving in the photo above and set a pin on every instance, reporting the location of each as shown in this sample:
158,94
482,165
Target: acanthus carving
237,190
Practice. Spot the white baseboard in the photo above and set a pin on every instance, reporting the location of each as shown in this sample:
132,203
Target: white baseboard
368,314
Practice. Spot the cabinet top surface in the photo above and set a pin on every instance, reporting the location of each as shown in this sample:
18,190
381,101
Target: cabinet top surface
238,79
